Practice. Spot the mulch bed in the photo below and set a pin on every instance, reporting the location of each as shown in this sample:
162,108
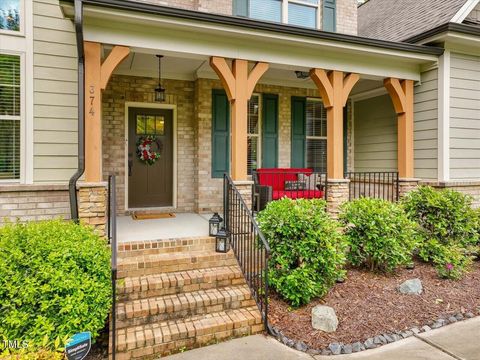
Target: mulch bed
368,304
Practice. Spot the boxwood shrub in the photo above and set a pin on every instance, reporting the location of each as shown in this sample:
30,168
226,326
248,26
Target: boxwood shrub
307,248
54,282
379,234
449,227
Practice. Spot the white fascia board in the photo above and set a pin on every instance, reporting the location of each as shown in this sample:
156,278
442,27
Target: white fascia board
146,33
464,11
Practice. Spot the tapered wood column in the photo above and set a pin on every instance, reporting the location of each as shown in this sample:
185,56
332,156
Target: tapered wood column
239,85
96,80
334,88
401,93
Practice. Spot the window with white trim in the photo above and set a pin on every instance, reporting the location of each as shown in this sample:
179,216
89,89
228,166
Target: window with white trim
305,13
253,136
11,16
316,135
10,115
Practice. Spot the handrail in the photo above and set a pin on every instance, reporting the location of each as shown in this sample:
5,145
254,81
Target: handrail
249,245
112,238
374,184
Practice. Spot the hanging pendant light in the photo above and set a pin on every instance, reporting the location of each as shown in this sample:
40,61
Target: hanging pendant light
160,90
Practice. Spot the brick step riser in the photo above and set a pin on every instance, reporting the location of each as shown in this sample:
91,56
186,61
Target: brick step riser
151,268
203,284
193,310
173,347
155,341
165,246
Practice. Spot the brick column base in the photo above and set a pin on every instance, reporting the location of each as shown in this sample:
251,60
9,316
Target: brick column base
92,205
245,189
406,185
337,194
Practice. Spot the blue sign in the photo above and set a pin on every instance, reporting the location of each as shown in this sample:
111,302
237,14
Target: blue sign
79,346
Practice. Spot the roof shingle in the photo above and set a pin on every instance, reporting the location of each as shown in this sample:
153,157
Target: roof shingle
398,20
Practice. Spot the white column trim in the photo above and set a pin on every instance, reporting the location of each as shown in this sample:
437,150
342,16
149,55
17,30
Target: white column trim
444,117
464,11
28,158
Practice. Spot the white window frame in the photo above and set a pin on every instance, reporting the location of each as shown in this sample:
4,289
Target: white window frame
259,135
21,32
20,43
310,137
304,3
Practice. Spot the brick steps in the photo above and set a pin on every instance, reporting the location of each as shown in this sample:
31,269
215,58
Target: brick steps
179,295
160,339
170,307
133,288
148,247
172,262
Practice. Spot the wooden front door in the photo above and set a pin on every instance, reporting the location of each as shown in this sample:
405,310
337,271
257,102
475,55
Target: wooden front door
150,185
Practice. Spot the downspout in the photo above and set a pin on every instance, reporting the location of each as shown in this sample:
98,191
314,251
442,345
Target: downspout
72,186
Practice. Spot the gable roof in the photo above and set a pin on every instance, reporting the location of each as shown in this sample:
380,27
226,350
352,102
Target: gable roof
398,20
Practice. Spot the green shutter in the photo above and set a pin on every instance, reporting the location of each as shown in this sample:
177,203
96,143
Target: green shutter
270,131
240,8
298,131
220,133
329,15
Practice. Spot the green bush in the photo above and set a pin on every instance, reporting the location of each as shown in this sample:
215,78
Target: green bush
379,234
54,282
25,354
449,228
307,248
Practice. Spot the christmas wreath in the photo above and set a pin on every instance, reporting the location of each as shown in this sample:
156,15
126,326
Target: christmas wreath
145,151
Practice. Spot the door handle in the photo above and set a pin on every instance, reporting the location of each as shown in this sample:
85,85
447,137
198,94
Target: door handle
130,165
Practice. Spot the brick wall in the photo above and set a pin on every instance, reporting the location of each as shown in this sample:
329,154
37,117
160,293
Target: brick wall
347,17
123,89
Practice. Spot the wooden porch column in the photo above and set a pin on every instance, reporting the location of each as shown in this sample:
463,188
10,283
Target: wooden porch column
401,92
96,80
334,88
239,85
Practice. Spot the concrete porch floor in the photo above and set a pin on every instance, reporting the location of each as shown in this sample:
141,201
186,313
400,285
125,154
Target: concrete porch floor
180,226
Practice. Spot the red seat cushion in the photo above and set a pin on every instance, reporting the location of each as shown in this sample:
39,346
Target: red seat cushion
276,177
297,194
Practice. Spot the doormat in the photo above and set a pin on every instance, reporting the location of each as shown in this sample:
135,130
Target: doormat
150,216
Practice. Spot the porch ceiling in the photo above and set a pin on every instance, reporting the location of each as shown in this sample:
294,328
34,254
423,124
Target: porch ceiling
198,39
181,68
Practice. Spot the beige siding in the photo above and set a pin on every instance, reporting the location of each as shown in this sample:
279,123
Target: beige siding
426,126
375,135
55,93
465,117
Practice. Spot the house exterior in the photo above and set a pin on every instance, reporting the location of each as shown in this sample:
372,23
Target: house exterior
248,84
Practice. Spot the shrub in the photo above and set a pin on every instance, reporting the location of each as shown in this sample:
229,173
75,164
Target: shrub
379,234
41,354
307,249
54,282
449,228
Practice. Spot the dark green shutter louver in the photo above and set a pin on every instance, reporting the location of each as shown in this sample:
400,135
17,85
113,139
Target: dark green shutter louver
240,8
298,132
329,15
345,139
220,133
270,131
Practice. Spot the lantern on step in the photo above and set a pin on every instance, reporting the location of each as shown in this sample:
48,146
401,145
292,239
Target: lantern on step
222,241
214,224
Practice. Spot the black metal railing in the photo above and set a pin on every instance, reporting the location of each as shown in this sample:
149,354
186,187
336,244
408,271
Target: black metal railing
379,185
112,240
249,245
274,184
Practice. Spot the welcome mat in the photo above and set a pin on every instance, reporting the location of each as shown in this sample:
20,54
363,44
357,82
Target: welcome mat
150,216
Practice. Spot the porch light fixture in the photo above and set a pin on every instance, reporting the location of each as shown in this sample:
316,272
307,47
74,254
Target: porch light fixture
222,241
160,90
302,74
214,224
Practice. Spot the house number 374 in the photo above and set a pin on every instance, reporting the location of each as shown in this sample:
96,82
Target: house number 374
92,99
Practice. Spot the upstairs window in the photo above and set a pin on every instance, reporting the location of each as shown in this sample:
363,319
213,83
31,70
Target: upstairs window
305,13
10,96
